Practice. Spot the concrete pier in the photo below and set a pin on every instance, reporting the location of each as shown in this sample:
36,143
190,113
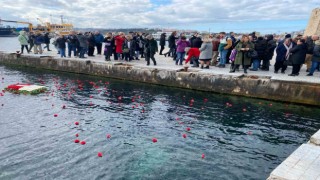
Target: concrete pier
302,164
258,84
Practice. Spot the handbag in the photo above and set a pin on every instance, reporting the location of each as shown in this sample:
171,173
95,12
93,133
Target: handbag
252,54
125,50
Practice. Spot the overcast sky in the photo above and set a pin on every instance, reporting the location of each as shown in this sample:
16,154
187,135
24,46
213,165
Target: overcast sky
216,15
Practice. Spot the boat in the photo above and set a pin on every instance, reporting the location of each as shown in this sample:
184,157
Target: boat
7,31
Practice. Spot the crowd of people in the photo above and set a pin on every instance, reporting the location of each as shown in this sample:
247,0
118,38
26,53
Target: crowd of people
247,51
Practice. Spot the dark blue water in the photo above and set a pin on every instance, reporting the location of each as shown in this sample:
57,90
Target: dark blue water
237,145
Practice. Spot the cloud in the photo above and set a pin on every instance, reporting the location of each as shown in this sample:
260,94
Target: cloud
192,14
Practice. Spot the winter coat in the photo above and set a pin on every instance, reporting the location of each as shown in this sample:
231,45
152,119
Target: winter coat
163,39
206,51
129,45
72,40
46,38
61,42
23,38
310,45
98,38
196,43
151,46
108,45
242,55
298,53
181,45
38,39
316,52
271,45
225,44
172,41
118,43
92,41
261,46
191,41
215,44
193,52
281,52
83,40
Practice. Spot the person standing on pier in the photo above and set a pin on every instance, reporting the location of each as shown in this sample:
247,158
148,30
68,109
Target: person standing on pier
206,51
315,58
92,44
61,43
83,44
98,41
162,42
119,40
243,48
46,39
150,49
225,44
23,39
310,40
31,40
181,46
72,44
108,46
38,40
283,54
298,56
172,45
271,45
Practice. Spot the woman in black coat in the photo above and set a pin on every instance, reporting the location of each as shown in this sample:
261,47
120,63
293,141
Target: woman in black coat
162,42
298,56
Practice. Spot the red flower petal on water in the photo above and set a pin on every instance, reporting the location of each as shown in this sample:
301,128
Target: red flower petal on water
77,135
82,142
154,140
132,107
63,106
244,110
205,100
76,141
55,115
270,104
108,136
203,156
99,154
188,129
178,119
91,96
184,135
76,123
249,133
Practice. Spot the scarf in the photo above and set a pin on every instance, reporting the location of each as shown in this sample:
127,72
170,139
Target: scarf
288,49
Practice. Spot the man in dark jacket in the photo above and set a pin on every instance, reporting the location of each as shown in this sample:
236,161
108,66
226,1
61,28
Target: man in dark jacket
98,37
91,45
271,45
310,43
260,46
150,49
72,44
298,56
46,39
172,45
315,58
162,42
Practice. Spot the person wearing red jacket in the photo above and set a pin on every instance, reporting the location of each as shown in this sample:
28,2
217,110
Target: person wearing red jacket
193,54
119,40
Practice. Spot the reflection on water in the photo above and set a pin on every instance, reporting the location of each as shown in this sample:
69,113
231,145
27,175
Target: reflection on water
241,138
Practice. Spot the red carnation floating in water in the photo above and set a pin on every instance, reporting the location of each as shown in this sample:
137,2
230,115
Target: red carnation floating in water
55,115
154,140
76,123
184,136
244,110
99,154
203,156
205,100
108,136
76,141
82,142
188,129
77,135
249,133
64,106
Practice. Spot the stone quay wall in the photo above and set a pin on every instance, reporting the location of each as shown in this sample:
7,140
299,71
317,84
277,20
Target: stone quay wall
242,85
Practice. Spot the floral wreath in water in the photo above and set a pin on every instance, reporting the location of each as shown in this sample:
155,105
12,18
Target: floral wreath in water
26,89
